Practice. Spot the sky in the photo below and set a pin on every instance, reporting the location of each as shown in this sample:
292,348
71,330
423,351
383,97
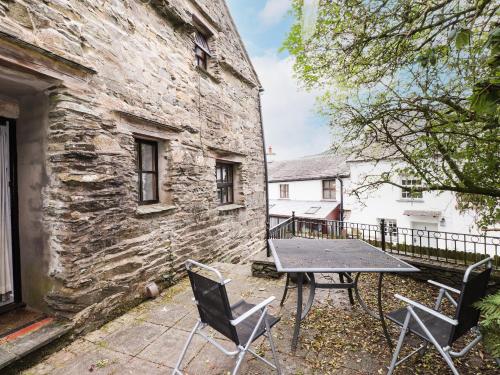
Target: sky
291,125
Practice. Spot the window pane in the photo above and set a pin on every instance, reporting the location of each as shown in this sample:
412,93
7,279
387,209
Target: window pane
224,177
201,42
224,174
137,150
148,187
218,174
224,195
147,155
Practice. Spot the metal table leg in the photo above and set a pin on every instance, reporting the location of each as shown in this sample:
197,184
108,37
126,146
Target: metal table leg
349,290
298,315
361,301
286,289
312,292
381,311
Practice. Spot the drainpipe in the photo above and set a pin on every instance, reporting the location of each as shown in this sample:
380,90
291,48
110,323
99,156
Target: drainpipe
268,252
341,198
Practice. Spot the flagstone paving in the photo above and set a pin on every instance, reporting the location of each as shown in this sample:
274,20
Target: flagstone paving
335,339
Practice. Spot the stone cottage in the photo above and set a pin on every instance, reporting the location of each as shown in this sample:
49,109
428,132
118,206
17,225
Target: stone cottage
132,140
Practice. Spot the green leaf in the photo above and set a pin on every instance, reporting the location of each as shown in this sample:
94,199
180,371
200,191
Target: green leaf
485,99
462,38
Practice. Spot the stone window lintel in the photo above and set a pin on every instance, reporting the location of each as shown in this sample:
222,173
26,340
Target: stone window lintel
226,154
140,119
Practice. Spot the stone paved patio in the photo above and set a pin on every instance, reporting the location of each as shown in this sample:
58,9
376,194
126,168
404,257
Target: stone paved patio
149,338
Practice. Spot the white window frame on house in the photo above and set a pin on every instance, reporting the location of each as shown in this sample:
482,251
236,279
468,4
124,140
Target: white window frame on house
411,182
284,191
331,191
391,226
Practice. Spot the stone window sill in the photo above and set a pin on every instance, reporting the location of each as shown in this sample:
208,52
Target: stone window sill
206,73
230,207
154,209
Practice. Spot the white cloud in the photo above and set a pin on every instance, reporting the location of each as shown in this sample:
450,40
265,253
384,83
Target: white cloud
273,11
291,126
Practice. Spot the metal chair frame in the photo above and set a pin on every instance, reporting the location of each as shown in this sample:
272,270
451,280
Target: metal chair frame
241,350
446,352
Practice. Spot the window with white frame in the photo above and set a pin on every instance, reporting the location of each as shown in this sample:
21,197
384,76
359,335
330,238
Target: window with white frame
284,191
409,185
329,189
391,226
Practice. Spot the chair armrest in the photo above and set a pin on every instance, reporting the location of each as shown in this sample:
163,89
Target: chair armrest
446,287
252,311
437,314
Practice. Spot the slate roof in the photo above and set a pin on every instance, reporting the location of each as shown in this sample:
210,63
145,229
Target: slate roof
315,167
315,209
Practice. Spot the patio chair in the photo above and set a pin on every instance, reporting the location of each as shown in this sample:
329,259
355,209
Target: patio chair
242,322
438,329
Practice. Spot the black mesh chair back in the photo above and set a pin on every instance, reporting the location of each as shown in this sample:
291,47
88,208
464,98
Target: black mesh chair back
473,289
213,305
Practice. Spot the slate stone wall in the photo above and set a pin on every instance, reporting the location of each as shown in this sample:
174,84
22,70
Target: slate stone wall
125,68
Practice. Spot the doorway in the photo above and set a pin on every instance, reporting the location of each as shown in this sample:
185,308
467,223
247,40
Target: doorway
424,234
10,273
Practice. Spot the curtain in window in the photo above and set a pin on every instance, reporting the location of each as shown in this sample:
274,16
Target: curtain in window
5,222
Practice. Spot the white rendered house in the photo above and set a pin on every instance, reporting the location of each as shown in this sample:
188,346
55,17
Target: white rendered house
308,187
314,182
434,211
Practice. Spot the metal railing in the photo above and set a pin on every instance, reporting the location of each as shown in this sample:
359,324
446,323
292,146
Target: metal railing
446,247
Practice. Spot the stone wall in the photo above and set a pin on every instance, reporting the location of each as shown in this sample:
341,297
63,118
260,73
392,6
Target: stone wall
119,69
447,274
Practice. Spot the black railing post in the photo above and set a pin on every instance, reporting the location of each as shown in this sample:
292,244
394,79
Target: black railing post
268,237
382,233
293,223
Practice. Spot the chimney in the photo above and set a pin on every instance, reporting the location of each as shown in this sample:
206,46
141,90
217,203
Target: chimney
270,154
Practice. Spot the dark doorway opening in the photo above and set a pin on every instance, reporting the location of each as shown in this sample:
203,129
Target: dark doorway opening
11,183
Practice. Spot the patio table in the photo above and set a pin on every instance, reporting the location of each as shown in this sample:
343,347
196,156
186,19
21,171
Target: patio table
305,257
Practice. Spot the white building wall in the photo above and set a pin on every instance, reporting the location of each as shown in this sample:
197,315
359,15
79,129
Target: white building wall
310,190
386,202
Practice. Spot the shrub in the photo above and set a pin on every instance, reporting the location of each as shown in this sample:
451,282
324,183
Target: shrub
490,325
